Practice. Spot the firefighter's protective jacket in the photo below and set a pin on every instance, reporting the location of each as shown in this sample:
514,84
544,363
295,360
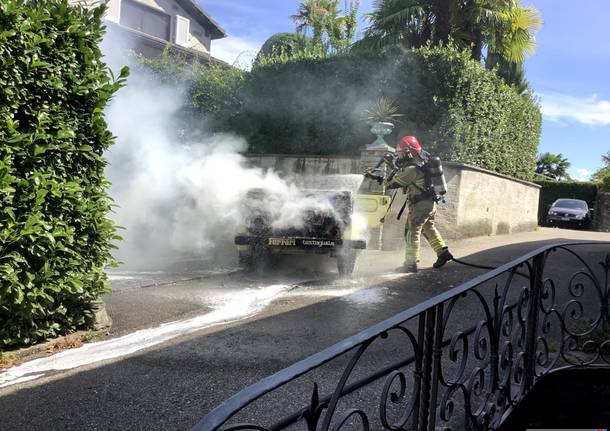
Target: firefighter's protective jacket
411,179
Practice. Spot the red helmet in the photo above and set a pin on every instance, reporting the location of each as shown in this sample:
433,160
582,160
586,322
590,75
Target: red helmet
410,144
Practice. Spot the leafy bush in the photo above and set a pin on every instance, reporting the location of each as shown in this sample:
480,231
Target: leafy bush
55,239
553,190
309,105
213,91
602,177
284,44
458,109
605,184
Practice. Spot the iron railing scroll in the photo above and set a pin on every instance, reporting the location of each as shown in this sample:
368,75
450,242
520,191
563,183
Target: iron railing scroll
461,360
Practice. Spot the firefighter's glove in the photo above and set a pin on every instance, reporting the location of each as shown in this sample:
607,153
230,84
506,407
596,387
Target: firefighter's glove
388,159
369,174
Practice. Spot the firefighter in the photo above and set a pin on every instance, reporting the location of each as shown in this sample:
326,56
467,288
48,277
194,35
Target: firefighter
422,205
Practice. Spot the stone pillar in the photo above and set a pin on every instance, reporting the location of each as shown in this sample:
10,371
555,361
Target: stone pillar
602,212
369,159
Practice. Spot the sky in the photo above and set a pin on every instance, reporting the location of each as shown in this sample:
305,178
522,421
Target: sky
569,72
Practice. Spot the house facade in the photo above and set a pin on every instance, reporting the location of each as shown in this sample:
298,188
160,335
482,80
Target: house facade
150,26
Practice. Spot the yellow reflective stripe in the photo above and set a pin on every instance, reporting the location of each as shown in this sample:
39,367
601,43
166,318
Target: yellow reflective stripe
437,245
412,248
401,183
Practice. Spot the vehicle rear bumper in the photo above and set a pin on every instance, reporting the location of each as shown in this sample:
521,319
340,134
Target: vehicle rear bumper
557,219
302,243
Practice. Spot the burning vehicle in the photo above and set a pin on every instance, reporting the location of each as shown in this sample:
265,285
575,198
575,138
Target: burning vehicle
315,222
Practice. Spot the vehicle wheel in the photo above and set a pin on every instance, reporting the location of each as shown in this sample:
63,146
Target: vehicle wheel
256,259
346,262
244,260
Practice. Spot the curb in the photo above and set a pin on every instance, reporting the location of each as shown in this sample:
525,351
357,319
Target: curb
50,347
100,327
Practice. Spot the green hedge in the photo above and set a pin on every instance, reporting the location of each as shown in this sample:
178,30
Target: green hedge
605,184
212,91
55,238
603,179
553,190
458,109
317,106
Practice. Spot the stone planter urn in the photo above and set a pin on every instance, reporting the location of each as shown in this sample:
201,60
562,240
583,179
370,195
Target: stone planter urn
381,129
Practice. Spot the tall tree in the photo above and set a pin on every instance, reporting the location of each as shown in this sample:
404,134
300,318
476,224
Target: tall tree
330,26
553,165
284,44
604,171
443,12
405,22
501,28
311,16
606,159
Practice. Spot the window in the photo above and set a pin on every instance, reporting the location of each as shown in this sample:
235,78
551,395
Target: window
181,36
570,203
145,19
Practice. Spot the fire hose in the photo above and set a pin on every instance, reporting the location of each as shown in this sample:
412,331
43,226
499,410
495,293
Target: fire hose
394,163
393,198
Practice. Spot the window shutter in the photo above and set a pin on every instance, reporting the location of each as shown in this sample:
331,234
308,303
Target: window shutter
181,34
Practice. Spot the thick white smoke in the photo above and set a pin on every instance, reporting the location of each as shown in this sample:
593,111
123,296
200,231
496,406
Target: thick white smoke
179,196
175,197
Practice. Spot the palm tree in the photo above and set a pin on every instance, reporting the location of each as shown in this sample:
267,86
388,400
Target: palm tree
311,15
606,159
511,35
604,171
324,18
404,22
553,165
510,40
502,28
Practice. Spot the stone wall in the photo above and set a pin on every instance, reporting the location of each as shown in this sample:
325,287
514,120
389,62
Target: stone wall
492,204
478,202
602,212
306,165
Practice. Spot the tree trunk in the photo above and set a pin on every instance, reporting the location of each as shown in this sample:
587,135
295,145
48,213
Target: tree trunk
477,47
426,33
443,11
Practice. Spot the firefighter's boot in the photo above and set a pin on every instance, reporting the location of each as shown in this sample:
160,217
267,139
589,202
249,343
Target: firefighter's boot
406,268
443,257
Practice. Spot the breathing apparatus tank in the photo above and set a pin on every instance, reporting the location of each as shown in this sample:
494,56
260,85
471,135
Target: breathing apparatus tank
437,177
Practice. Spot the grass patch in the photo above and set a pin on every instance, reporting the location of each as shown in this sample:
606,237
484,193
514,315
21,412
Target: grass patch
7,360
90,336
67,342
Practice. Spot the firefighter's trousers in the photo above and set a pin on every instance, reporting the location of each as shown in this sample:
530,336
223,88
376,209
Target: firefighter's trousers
421,221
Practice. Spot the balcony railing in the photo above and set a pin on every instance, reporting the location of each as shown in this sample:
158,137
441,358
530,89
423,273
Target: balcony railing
461,360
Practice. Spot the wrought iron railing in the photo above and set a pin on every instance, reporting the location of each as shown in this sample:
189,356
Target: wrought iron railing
461,360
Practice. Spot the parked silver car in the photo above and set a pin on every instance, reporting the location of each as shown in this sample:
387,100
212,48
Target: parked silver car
569,212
